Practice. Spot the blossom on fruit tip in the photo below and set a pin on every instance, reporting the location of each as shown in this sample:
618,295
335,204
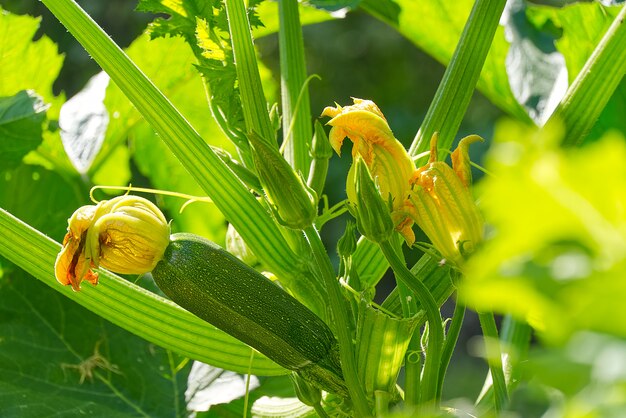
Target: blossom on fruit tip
127,234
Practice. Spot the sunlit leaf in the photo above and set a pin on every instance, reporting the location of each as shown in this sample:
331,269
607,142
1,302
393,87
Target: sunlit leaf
334,5
21,117
557,256
32,65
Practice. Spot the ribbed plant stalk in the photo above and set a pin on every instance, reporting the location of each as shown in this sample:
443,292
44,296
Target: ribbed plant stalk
297,130
593,87
342,325
494,359
253,100
412,361
452,336
428,385
457,87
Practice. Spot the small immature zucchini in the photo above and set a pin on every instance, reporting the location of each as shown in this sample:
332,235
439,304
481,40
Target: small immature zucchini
216,286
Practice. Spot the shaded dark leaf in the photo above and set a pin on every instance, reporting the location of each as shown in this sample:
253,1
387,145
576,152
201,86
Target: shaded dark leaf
21,118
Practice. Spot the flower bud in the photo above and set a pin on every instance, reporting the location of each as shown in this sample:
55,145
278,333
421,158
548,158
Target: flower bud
127,234
294,202
443,206
346,246
372,213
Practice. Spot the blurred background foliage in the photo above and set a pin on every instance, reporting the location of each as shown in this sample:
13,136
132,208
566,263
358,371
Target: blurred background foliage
362,56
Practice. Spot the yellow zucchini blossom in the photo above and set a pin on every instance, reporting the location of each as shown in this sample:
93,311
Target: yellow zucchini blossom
387,160
436,196
127,234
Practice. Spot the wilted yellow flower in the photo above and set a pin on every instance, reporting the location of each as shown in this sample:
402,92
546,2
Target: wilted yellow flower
387,160
442,204
127,234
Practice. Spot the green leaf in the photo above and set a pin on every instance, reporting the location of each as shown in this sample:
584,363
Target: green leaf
268,14
557,256
536,70
57,358
21,117
32,65
24,63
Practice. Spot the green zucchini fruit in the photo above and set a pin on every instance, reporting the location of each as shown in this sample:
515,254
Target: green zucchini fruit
211,283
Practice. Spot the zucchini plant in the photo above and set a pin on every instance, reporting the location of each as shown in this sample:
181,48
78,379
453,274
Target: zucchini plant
540,240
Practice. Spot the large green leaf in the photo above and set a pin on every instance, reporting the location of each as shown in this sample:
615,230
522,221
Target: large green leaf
557,255
582,25
25,64
58,359
21,117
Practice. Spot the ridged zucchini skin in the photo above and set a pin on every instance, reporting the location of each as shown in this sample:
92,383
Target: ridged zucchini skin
211,283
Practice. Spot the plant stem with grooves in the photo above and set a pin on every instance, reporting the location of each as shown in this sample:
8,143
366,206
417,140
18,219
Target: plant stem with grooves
428,385
457,87
494,358
342,326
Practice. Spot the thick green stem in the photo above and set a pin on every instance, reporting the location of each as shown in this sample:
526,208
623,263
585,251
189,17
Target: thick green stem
452,337
341,317
457,87
412,362
588,95
297,132
250,87
428,386
494,358
515,340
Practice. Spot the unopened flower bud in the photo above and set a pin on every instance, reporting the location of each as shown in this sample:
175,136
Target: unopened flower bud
373,215
294,202
346,246
127,235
